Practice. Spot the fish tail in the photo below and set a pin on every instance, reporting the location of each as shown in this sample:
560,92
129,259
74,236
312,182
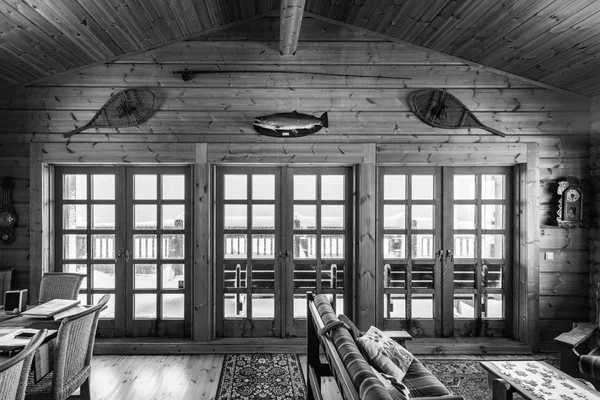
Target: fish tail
324,120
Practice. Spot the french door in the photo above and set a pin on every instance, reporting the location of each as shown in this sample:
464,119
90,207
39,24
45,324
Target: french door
280,232
444,250
128,230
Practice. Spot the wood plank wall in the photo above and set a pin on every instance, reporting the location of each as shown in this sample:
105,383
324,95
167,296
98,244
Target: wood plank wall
594,259
362,80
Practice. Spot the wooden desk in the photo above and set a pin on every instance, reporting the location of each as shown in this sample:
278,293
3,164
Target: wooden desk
44,356
534,380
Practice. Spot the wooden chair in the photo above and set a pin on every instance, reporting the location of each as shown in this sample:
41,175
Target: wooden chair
60,285
14,371
572,362
5,282
72,357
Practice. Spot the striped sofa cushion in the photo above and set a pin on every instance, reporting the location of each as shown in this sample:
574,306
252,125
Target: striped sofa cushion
421,382
363,378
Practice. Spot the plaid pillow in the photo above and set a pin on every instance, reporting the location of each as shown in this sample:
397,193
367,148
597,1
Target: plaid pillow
385,353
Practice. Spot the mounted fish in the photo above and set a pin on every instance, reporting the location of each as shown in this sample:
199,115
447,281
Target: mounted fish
441,109
128,107
292,124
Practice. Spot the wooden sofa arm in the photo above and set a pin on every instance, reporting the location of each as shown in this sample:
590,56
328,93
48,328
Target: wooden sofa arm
576,336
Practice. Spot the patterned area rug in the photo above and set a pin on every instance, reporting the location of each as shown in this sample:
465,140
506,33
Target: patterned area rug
464,376
261,376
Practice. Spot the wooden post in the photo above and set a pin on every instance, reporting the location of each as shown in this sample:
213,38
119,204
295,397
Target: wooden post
501,390
289,26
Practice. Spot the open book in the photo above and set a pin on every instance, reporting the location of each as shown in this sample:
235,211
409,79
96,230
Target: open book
50,308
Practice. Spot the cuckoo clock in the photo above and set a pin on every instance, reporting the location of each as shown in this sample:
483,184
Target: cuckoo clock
570,203
8,216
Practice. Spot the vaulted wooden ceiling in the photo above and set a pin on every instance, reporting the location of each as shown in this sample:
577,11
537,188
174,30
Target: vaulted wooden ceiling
555,42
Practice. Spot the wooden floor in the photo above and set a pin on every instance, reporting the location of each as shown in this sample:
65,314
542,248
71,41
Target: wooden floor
176,377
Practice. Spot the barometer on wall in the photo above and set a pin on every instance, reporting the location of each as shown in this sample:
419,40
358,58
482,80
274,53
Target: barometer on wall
570,204
8,216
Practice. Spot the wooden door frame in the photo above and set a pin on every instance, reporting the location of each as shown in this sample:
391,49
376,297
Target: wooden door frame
365,156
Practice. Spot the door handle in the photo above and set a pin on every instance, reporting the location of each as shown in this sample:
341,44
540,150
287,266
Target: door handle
450,255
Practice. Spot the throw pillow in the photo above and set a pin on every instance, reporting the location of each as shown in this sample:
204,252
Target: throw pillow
387,355
396,389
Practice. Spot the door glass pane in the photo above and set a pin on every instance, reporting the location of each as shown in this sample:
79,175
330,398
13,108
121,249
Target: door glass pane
235,246
103,216
77,269
332,187
492,187
173,187
173,276
394,187
236,187
263,246
422,187
263,216
394,306
492,275
305,276
173,246
464,276
144,276
144,305
422,276
422,216
235,216
464,246
144,187
492,216
492,246
103,247
305,187
75,246
422,306
299,306
394,246
144,216
173,216
332,246
332,276
263,276
109,311
464,306
305,217
422,246
263,305
103,187
332,217
464,187
234,305
234,275
263,187
172,306
394,275
144,246
74,216
464,216
394,216
103,276
74,187
305,246
492,307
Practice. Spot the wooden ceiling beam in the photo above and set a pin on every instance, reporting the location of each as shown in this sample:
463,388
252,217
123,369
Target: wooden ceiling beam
289,26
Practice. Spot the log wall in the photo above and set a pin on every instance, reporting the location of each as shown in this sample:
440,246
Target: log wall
362,80
594,260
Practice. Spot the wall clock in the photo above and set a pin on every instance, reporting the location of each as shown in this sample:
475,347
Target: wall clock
8,215
570,203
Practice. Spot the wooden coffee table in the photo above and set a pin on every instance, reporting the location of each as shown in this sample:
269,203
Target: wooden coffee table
534,380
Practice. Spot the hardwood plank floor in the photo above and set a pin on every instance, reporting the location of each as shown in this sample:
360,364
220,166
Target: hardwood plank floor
164,377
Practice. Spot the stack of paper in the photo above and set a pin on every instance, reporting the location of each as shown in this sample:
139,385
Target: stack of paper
50,308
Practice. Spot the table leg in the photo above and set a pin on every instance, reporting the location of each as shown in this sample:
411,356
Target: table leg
501,390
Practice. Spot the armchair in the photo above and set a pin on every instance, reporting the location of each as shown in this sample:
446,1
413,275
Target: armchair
572,361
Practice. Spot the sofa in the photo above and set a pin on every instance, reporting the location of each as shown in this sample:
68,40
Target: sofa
335,337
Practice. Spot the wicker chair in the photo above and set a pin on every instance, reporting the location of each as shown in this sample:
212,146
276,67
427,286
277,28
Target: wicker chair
60,285
14,372
5,281
72,357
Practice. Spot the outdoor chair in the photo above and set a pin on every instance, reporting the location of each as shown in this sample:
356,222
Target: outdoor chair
60,285
15,371
5,282
72,357
572,362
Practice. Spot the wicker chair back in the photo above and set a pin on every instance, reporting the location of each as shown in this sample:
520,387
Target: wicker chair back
60,285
